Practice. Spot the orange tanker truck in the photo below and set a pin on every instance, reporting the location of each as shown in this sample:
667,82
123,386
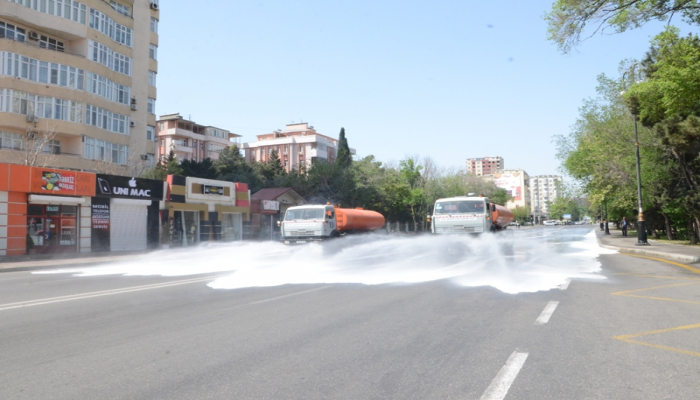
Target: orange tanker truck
468,214
314,223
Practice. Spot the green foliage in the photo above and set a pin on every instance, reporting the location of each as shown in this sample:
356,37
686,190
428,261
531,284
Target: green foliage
344,158
521,214
168,166
568,19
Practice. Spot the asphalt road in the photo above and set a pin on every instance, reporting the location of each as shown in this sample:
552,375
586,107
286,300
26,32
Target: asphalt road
633,335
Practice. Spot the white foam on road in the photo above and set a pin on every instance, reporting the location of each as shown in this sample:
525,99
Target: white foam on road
513,262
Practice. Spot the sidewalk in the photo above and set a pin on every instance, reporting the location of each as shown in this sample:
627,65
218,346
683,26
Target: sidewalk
33,262
615,241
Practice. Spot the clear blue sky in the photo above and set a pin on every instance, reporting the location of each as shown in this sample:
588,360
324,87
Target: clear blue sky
445,79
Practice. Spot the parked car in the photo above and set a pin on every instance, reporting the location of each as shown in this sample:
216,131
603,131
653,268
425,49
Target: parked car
549,223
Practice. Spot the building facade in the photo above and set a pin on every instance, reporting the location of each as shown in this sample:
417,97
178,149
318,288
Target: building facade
191,141
299,145
484,165
544,190
517,184
78,83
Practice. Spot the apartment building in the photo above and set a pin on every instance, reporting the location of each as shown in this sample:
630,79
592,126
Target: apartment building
298,145
191,141
544,190
484,165
78,84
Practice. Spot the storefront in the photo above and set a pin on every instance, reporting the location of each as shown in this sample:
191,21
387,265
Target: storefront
125,213
204,210
44,210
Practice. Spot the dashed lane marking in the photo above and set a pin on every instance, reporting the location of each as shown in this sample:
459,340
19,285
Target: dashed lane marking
498,389
547,313
565,285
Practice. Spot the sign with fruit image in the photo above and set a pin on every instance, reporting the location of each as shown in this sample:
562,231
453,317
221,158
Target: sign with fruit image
57,181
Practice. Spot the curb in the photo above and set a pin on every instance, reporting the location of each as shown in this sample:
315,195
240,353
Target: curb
679,257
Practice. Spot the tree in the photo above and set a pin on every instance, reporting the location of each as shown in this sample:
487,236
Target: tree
167,166
568,19
344,158
36,146
415,195
198,169
521,214
232,167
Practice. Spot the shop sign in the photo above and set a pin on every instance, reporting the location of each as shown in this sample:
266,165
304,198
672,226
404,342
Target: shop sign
100,224
130,188
60,182
209,189
271,205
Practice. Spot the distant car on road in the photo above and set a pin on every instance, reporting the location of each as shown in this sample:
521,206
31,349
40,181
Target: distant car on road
549,223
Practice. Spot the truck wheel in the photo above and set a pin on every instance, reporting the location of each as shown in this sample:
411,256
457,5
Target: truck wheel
335,234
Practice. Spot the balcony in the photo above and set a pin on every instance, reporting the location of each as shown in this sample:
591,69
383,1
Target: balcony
179,148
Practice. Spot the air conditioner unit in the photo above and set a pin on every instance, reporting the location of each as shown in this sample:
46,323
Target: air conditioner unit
154,6
32,118
133,100
132,124
144,157
133,107
31,135
33,35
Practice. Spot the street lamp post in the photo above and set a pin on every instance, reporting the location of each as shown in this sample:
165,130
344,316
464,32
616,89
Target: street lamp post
641,229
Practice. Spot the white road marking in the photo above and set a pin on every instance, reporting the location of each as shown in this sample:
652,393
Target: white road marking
565,285
110,292
498,389
287,295
546,313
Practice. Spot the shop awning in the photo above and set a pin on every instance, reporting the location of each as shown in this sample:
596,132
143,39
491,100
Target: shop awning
43,199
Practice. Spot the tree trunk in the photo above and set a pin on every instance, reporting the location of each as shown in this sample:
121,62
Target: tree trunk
667,224
697,227
691,232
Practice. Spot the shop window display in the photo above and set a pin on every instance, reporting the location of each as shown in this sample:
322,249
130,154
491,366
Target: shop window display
52,228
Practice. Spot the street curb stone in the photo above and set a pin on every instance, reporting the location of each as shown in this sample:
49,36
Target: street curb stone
679,257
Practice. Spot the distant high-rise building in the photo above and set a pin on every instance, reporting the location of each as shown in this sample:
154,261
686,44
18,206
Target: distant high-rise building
78,83
298,145
544,190
191,141
484,165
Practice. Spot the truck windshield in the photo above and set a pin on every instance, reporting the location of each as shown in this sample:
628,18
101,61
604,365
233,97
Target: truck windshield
304,213
460,207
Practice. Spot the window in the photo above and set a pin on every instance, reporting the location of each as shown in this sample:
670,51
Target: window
9,140
109,58
101,22
17,102
107,120
67,9
153,51
100,150
150,160
154,25
52,147
150,133
152,78
104,87
151,108
9,31
120,8
46,42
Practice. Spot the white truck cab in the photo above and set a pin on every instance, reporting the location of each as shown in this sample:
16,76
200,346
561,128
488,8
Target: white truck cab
310,223
462,214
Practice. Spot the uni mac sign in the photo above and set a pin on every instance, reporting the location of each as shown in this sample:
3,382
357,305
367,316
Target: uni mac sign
128,188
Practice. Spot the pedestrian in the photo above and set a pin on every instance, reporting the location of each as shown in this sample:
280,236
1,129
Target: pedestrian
602,225
624,224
